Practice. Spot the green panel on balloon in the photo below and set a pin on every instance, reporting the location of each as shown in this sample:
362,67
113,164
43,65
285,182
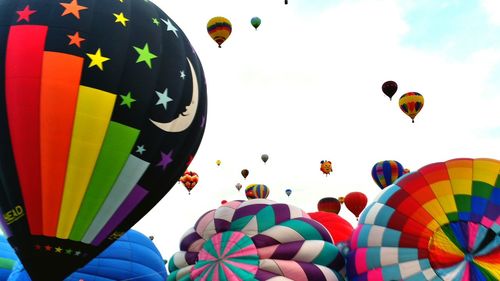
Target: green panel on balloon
481,189
463,202
266,218
115,151
453,216
306,230
7,263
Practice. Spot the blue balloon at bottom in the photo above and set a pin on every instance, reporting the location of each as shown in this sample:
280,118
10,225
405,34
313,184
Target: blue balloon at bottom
132,257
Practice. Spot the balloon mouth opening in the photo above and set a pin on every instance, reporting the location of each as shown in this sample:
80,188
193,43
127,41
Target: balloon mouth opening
457,243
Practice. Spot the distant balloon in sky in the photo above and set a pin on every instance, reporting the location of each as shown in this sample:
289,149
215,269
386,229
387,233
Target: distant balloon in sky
223,202
411,103
326,167
329,204
255,21
406,171
254,191
238,186
218,162
286,2
96,125
219,28
245,173
384,173
341,199
189,180
264,158
440,222
288,191
355,202
389,88
257,240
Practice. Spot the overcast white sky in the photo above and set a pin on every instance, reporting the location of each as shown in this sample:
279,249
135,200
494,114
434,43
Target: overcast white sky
306,87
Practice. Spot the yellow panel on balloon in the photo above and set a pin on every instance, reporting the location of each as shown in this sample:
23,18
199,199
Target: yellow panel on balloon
486,170
448,203
444,194
441,241
434,208
93,114
461,186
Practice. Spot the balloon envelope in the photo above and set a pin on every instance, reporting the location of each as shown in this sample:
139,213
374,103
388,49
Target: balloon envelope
329,204
8,258
132,257
90,138
257,240
245,173
437,223
355,202
326,167
219,28
255,21
411,103
339,228
254,191
218,162
384,173
238,186
264,157
389,88
189,180
288,192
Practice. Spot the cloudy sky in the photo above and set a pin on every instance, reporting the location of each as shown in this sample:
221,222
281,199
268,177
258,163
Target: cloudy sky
306,87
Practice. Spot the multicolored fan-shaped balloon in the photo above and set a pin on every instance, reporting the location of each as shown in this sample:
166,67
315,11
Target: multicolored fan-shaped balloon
384,173
254,191
441,222
90,137
411,103
256,240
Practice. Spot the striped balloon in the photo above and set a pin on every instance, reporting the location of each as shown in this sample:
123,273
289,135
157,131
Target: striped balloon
254,191
384,173
441,222
411,103
257,240
219,28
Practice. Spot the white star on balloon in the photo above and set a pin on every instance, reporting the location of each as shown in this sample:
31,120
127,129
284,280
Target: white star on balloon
183,75
170,27
140,149
163,98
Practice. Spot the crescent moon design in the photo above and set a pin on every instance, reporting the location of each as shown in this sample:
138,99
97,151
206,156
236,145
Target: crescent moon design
184,120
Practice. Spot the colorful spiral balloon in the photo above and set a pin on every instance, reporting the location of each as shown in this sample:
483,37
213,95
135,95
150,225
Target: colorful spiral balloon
441,222
256,240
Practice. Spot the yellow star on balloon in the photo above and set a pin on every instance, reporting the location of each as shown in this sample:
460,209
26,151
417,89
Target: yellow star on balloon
121,19
97,59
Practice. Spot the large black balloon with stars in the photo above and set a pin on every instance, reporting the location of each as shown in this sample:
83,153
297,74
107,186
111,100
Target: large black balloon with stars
102,107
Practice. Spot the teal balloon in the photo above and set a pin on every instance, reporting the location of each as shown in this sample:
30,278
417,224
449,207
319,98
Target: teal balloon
255,21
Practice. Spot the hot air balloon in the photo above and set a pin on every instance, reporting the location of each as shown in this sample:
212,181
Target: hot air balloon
189,180
255,21
288,191
329,204
8,258
256,240
223,202
264,158
88,144
244,173
341,199
440,222
339,228
219,28
406,171
326,167
254,191
355,202
384,173
411,103
132,257
238,186
389,88
218,162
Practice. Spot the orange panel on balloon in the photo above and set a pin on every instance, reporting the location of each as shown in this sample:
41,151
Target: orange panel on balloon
59,92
